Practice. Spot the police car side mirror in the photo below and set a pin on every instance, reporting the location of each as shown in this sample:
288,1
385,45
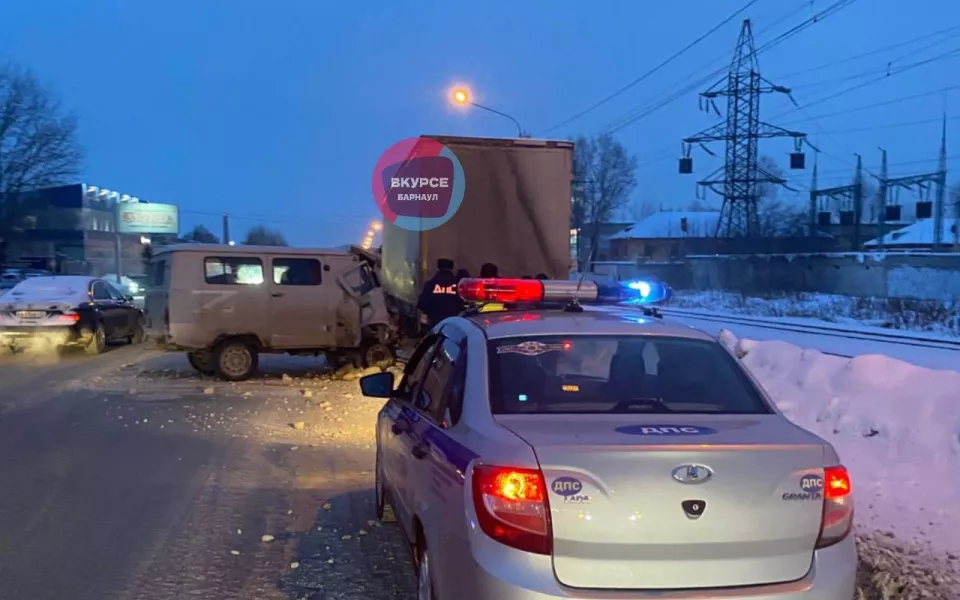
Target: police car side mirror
378,385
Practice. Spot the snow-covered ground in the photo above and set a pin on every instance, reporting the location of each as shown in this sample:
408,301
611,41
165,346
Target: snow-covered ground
896,427
886,313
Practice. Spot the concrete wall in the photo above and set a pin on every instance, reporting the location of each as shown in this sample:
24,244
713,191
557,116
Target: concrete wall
924,276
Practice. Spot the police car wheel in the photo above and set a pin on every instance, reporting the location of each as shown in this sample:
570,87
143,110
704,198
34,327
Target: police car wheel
424,575
378,489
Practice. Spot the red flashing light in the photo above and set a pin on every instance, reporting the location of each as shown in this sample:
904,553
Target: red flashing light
836,521
512,507
506,291
836,483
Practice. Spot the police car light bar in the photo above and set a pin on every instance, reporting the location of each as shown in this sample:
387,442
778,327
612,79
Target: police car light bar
535,291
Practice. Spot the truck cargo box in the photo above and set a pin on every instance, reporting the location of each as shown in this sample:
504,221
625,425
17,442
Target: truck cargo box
515,213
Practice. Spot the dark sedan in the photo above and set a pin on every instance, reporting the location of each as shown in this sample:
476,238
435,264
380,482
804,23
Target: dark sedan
68,311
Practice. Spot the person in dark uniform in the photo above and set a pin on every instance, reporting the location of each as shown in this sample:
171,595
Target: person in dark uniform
438,298
462,274
489,271
542,276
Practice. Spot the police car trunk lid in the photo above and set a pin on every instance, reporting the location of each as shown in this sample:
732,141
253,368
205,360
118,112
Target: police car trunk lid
621,520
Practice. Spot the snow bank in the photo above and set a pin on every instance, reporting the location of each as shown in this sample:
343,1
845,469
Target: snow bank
896,427
887,313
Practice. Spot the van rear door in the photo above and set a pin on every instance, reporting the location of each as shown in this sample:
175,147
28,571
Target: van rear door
157,297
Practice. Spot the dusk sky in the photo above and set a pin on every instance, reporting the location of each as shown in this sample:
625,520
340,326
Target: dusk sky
276,112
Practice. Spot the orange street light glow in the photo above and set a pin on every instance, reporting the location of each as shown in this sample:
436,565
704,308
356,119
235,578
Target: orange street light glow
461,96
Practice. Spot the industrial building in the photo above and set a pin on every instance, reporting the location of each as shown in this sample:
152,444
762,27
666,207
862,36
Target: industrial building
78,228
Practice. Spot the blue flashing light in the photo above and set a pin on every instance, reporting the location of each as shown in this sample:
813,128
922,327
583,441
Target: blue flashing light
640,291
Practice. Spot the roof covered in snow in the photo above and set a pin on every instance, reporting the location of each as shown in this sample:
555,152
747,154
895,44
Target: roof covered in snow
57,288
700,224
918,234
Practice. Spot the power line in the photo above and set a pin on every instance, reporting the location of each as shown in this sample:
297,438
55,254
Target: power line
721,70
872,53
652,71
894,125
884,70
887,102
796,30
949,53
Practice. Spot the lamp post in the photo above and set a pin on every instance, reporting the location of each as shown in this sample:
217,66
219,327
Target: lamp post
460,96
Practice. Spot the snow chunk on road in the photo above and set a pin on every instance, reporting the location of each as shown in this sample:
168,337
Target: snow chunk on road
896,427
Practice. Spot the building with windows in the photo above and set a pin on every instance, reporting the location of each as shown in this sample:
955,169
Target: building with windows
78,228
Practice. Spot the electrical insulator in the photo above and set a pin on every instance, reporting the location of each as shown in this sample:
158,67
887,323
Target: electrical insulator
798,161
686,165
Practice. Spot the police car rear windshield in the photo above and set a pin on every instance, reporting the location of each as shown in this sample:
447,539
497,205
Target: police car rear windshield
618,375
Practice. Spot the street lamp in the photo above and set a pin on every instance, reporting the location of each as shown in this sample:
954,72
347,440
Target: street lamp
460,96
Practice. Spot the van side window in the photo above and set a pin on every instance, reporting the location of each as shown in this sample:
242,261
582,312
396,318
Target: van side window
232,270
297,271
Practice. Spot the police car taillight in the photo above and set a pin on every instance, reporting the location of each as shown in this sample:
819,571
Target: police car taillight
512,508
533,291
837,519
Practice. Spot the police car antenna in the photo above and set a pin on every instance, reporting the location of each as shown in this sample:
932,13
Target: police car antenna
574,305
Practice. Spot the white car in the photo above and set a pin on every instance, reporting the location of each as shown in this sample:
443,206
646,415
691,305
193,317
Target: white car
600,453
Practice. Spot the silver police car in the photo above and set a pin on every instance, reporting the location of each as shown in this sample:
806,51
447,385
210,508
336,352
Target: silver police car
599,453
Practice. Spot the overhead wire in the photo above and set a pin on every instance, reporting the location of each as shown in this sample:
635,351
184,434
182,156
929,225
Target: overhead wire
644,112
802,6
879,104
882,70
893,73
652,71
872,53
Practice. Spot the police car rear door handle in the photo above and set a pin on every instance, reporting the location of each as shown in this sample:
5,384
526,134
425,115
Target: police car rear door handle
277,294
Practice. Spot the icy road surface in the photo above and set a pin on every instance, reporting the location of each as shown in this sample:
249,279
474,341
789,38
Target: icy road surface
129,477
126,476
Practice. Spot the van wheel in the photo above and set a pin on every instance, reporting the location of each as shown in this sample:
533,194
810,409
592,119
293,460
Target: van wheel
202,361
376,354
235,360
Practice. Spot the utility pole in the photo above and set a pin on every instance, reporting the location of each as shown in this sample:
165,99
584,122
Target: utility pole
956,221
812,209
857,202
740,179
882,200
226,228
922,183
849,199
940,202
